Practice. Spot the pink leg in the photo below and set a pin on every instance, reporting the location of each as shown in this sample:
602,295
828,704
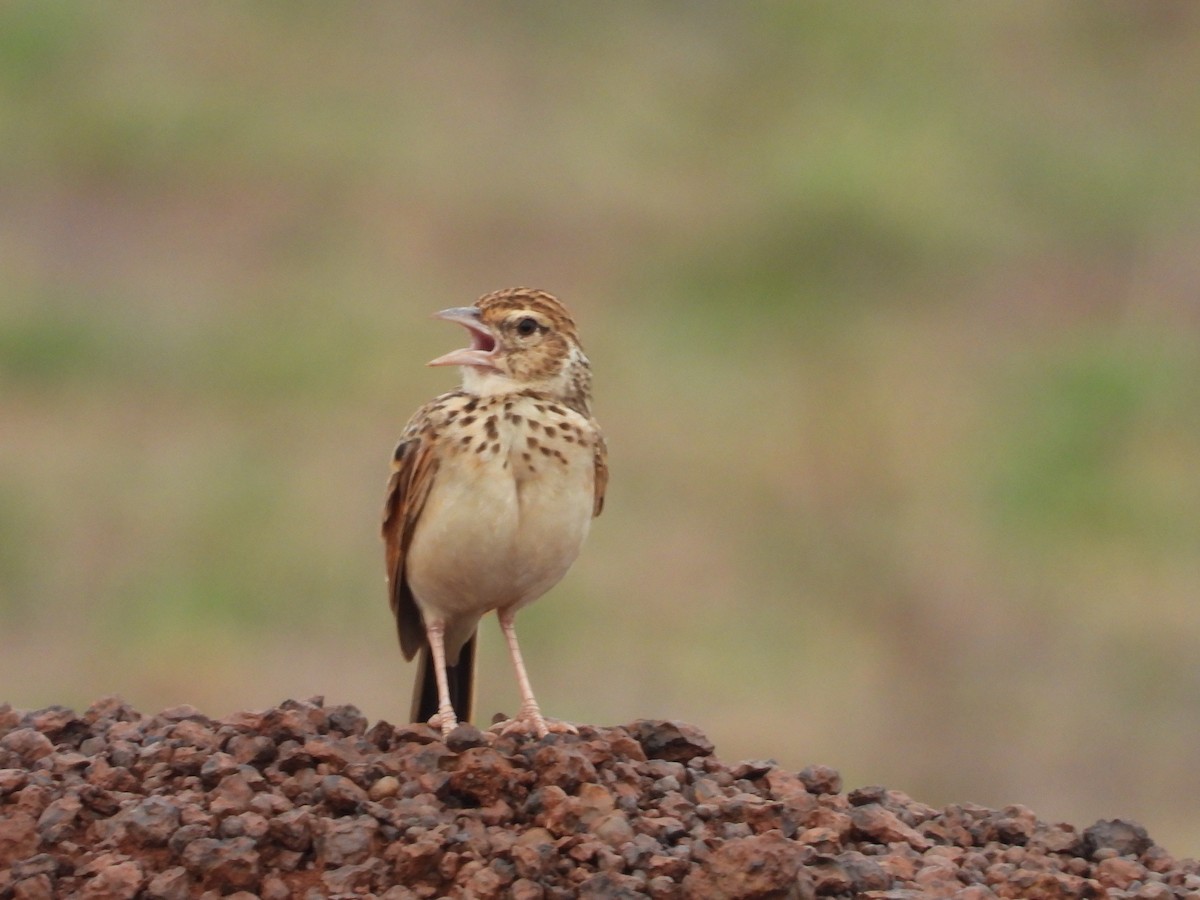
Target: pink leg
530,716
445,718
529,707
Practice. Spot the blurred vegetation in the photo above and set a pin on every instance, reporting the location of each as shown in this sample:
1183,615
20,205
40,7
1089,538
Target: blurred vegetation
894,312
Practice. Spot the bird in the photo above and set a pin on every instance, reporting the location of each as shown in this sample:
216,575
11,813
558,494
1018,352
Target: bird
492,491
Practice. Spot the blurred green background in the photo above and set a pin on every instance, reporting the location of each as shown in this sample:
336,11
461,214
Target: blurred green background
894,311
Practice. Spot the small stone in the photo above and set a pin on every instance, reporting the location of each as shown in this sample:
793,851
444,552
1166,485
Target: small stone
387,786
170,884
185,834
347,719
293,829
975,892
524,889
1154,890
184,711
752,769
28,744
534,854
1119,872
345,841
760,866
595,800
218,766
864,795
885,826
274,888
39,887
662,887
59,818
39,864
829,877
152,821
614,829
823,840
412,863
18,836
566,765
119,881
231,796
341,794
821,779
480,774
12,780
611,886
1126,838
464,737
675,741
351,880
247,824
252,749
865,872
232,863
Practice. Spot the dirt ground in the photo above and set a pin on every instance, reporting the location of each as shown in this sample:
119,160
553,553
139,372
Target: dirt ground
313,801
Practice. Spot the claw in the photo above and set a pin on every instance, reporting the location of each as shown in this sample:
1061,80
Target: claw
444,722
533,724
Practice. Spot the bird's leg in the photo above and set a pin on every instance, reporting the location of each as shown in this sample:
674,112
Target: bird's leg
445,719
530,715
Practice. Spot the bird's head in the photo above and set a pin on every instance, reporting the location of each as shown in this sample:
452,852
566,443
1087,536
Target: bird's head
521,339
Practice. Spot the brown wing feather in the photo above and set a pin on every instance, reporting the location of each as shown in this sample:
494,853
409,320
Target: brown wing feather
600,462
413,469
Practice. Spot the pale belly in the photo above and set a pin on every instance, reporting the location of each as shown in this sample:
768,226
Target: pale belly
493,535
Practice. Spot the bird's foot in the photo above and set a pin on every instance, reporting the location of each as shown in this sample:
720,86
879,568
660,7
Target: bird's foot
531,721
444,720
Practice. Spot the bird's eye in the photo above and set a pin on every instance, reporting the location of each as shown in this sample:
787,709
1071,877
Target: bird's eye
527,326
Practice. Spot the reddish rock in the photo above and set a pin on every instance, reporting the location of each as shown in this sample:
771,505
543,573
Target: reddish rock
345,841
885,826
353,879
676,741
534,854
122,880
481,775
414,863
387,786
169,884
306,801
60,818
764,866
865,872
230,863
821,780
565,765
613,828
153,821
12,780
1125,838
39,887
232,795
341,794
25,746
18,836
1120,872
252,749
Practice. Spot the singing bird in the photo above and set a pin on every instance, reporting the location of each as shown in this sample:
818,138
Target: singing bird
492,491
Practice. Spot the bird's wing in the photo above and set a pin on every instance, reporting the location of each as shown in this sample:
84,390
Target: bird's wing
414,467
600,463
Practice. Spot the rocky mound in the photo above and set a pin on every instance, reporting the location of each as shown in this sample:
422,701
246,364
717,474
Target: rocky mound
310,801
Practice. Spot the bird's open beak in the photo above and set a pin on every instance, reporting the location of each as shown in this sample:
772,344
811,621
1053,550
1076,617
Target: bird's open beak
481,353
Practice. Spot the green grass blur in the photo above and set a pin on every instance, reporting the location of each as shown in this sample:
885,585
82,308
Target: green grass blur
895,319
